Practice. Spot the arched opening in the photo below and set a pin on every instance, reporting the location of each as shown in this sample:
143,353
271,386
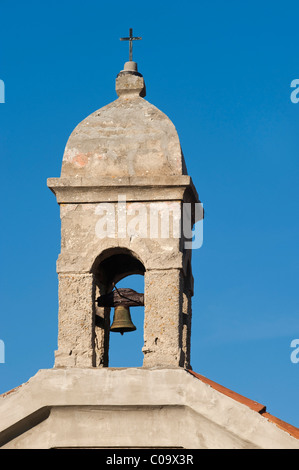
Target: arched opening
116,264
114,270
126,350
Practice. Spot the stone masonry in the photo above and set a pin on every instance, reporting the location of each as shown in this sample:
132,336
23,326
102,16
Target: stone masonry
124,158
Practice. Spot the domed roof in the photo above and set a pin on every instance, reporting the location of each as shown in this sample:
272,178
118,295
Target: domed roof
128,137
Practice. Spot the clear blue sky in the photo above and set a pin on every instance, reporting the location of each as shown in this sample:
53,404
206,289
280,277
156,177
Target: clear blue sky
221,71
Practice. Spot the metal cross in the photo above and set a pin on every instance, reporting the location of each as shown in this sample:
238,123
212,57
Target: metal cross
130,39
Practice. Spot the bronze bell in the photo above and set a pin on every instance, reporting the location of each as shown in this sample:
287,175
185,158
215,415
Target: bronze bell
122,322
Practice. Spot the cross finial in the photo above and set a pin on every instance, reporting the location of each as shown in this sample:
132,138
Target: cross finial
130,39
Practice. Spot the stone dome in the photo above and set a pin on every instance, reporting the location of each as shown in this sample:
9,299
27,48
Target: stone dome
128,137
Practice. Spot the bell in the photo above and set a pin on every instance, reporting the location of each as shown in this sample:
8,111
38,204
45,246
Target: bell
122,322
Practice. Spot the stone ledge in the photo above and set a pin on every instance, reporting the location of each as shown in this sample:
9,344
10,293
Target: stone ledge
107,189
210,419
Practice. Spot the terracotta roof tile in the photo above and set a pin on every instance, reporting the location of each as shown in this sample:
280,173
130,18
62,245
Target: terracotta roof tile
254,405
3,395
283,425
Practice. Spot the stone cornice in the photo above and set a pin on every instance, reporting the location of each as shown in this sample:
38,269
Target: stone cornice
108,189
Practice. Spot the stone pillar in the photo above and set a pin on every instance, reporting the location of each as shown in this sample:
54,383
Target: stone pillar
102,331
76,320
163,318
186,328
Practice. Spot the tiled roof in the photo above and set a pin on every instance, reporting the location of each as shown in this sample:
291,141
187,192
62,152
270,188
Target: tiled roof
255,406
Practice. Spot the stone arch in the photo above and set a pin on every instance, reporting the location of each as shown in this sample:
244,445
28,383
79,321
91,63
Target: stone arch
108,268
114,264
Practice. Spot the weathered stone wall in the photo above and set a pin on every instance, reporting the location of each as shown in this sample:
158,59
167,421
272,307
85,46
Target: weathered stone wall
166,333
163,318
76,320
123,159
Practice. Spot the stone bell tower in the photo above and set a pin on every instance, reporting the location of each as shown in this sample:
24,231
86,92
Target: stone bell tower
122,192
127,206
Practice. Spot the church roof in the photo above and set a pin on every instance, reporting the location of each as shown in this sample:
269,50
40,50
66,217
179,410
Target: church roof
253,405
135,407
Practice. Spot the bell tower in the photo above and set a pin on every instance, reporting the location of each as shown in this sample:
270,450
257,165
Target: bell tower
125,200
127,206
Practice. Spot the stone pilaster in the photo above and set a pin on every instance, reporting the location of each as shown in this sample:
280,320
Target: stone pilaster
163,318
76,321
